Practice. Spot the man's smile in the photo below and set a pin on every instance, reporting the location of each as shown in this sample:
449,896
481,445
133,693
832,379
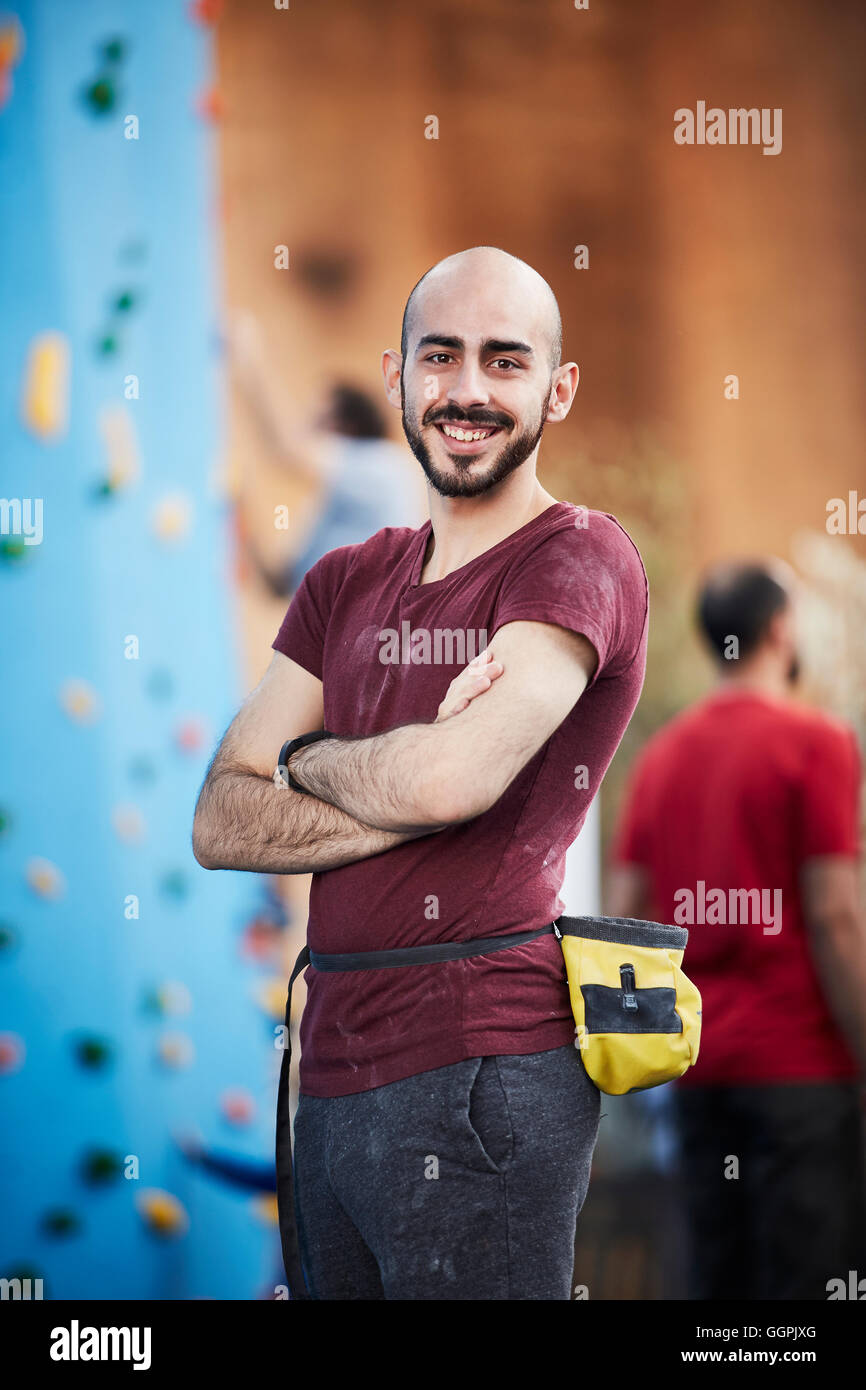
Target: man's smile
464,437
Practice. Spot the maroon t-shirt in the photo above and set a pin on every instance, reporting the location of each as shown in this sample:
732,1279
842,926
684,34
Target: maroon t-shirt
737,793
498,873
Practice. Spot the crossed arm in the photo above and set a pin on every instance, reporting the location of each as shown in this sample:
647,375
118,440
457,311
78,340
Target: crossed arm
369,794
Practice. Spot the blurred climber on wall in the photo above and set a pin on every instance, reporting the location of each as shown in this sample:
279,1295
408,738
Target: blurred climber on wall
362,481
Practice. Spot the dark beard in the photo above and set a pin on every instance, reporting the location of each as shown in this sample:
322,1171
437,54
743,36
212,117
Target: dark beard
515,451
793,672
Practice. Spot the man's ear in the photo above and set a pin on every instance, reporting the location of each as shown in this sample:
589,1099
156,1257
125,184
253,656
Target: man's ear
562,390
392,366
778,629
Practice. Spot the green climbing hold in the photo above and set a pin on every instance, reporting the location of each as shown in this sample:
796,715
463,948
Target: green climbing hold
13,551
101,1166
174,884
114,51
62,1221
93,1052
100,95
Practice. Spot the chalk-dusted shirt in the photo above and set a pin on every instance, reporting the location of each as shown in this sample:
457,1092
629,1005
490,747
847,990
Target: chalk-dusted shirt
500,872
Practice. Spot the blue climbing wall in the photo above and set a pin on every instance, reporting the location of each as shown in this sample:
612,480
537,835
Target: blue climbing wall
137,1002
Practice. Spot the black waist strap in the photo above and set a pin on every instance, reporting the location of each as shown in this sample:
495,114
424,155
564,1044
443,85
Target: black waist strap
354,960
424,955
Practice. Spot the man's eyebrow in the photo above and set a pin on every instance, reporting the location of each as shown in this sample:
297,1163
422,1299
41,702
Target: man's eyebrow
439,340
501,345
489,344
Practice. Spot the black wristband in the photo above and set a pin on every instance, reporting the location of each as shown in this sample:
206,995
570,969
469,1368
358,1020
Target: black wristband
291,746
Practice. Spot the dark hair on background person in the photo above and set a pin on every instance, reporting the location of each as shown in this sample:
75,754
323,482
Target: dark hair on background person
739,600
355,414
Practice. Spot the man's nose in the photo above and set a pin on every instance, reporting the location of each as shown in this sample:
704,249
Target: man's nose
468,388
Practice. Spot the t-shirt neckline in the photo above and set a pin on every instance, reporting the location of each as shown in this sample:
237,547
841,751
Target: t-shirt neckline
424,535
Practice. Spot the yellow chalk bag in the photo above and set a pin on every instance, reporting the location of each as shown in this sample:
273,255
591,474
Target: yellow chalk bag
637,1014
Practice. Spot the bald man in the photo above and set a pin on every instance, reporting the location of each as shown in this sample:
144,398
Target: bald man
448,700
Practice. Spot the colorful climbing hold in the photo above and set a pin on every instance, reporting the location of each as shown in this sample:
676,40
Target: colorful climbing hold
11,41
129,824
92,1052
261,940
61,1221
45,405
99,1167
271,996
45,878
264,1208
170,998
13,550
205,11
237,1106
174,884
11,49
101,95
161,1212
176,1051
190,734
12,1053
114,51
122,459
210,104
80,701
171,517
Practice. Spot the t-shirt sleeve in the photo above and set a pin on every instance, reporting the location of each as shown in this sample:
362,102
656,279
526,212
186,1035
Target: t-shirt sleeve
303,630
589,579
829,799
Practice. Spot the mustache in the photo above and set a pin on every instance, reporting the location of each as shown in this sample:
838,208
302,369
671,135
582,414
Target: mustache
452,416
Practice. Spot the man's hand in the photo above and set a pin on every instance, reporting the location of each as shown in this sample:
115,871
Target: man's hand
240,820
473,680
418,776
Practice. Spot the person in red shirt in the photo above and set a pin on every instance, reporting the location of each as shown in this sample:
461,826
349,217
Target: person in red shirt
741,823
446,1123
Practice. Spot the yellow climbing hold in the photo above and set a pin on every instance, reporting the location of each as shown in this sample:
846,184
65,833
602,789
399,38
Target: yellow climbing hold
46,386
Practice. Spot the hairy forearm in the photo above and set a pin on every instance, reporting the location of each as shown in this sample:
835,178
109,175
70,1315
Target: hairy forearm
245,821
395,781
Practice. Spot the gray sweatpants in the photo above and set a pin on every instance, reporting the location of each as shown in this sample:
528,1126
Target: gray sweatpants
459,1183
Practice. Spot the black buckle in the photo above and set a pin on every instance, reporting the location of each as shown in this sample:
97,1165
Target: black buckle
627,982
